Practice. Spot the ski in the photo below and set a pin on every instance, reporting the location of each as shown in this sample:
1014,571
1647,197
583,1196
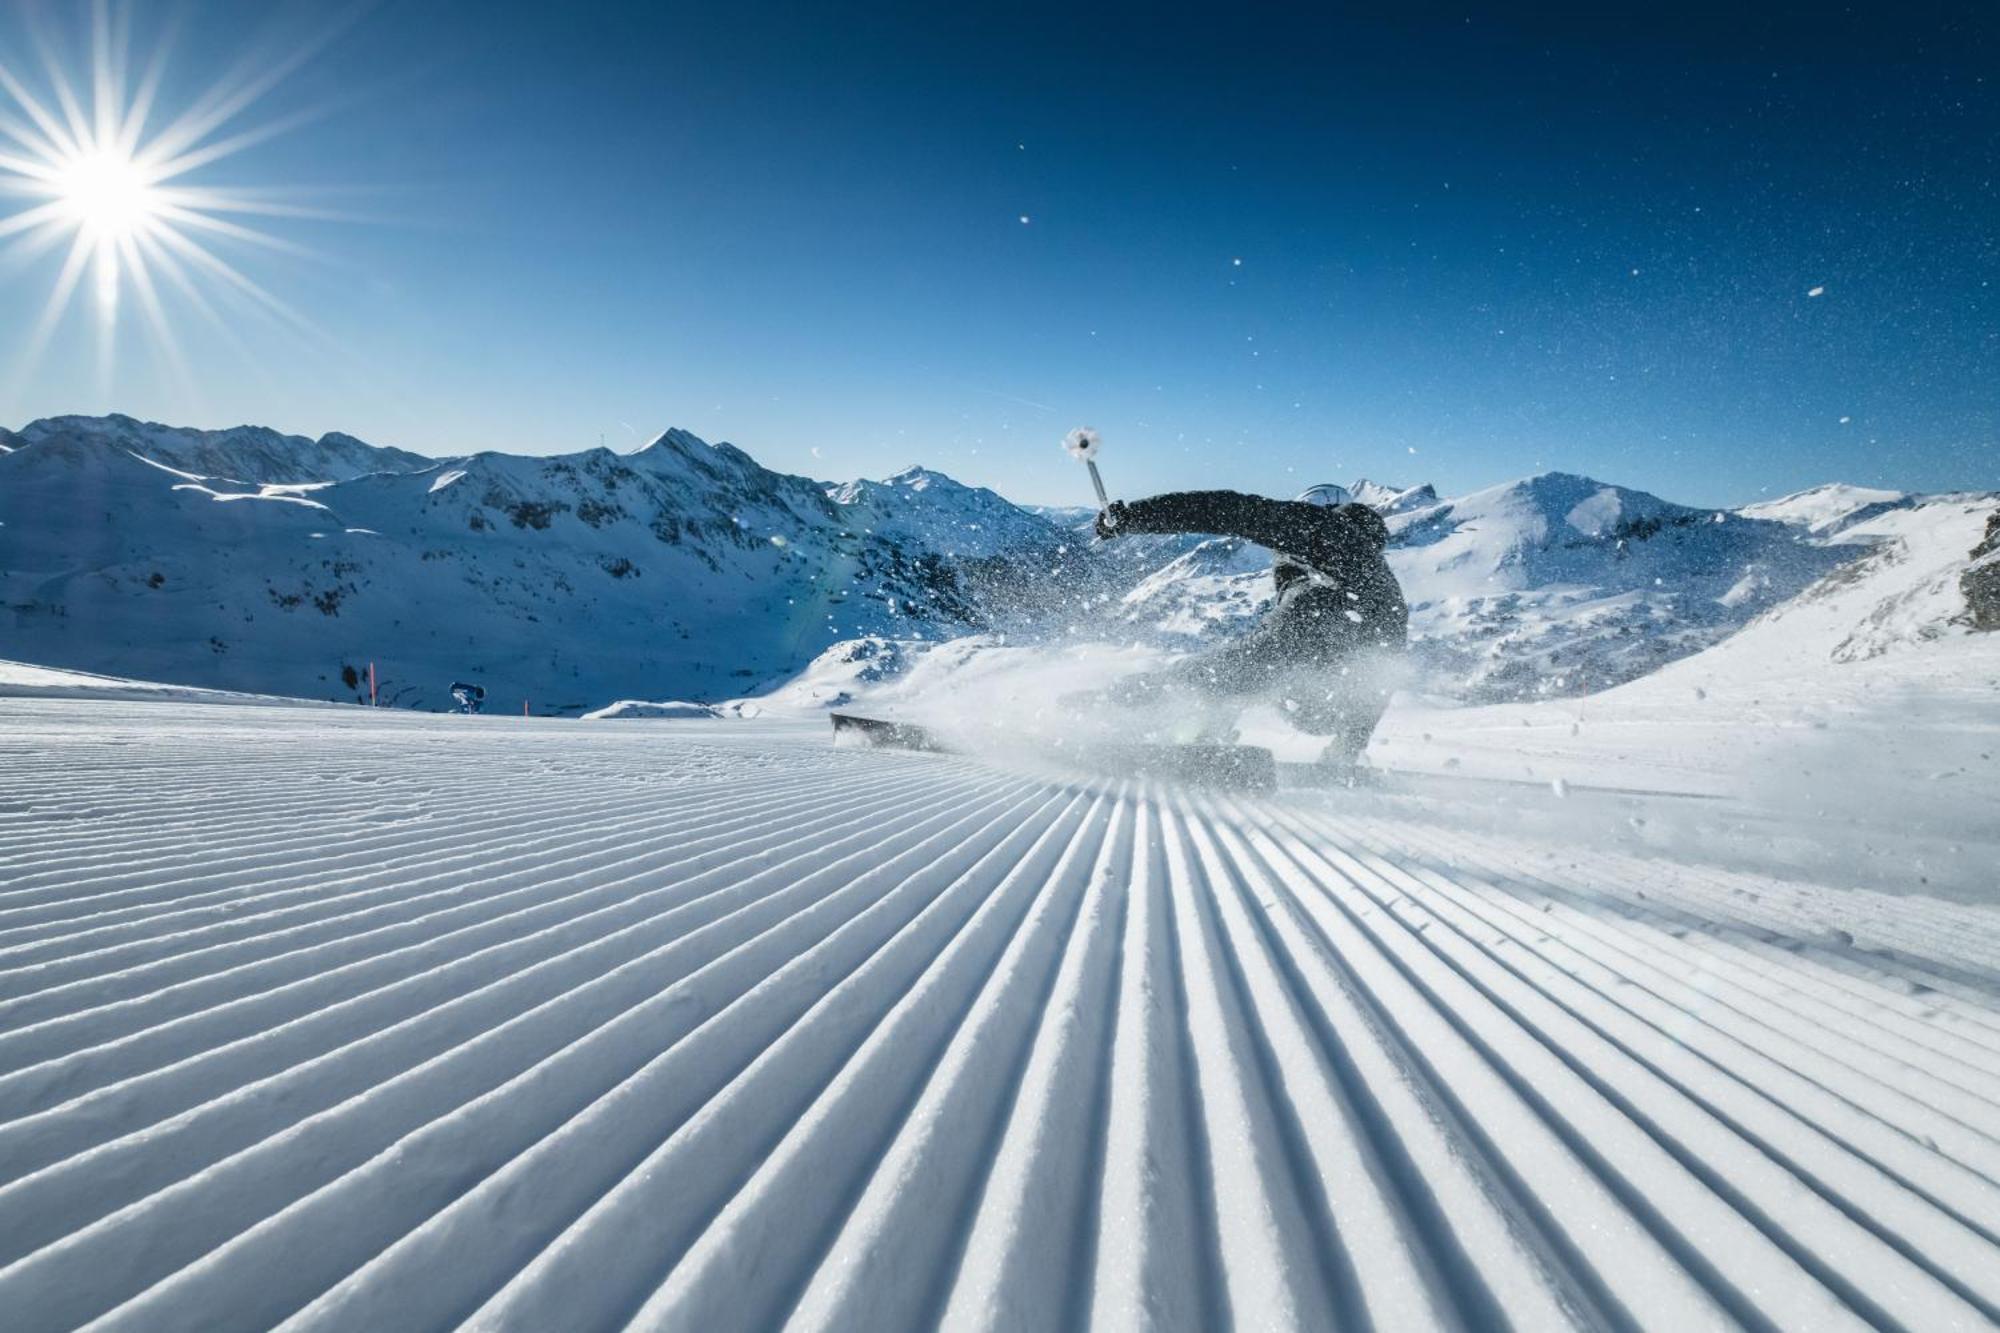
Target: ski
1247,768
874,731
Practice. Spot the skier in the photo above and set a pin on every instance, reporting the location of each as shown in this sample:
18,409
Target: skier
471,698
1321,651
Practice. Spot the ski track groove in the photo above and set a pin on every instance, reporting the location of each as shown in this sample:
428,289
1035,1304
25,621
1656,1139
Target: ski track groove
1839,1227
1788,939
429,1094
94,988
359,1020
213,1057
524,820
314,872
113,1018
1798,1018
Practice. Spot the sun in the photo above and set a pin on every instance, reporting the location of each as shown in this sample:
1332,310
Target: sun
106,193
114,187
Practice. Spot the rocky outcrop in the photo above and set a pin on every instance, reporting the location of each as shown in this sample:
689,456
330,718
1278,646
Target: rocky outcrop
1981,580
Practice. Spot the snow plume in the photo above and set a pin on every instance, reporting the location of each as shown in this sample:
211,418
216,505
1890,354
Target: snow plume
1903,800
1013,700
1902,794
1764,755
993,697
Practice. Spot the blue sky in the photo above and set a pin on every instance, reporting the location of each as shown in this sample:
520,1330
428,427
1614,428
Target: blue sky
1260,249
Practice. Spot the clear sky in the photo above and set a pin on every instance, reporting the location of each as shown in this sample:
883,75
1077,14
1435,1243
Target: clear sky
1255,248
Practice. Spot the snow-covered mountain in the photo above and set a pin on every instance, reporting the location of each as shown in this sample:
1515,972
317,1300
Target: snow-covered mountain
1903,590
1551,585
1561,584
937,513
253,454
687,571
1392,499
1835,507
682,570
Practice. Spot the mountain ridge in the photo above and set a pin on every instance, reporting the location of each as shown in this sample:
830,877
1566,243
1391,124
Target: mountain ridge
685,569
563,580
253,454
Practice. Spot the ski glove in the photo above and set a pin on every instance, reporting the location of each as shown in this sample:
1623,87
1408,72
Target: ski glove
1110,520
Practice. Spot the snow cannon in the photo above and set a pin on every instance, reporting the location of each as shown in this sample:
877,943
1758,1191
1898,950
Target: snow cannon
1083,444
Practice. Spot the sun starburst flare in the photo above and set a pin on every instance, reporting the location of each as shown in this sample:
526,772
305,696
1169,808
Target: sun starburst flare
103,176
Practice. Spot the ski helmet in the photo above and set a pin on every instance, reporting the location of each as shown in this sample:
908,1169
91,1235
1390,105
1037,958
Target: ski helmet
1326,493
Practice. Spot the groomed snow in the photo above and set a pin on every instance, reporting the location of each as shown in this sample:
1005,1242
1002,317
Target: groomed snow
345,1019
631,708
20,680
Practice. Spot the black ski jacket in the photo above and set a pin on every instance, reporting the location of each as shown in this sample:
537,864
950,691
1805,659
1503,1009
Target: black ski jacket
1336,594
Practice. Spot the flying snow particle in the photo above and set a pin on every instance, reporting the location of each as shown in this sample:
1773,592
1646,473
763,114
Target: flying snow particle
1817,291
1845,420
1024,219
777,539
1236,263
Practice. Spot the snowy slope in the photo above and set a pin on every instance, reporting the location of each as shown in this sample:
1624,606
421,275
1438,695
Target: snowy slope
934,512
1902,594
368,1020
1068,517
1826,510
1393,499
683,570
19,680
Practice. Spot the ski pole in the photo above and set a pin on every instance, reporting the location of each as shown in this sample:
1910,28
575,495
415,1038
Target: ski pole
1083,444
